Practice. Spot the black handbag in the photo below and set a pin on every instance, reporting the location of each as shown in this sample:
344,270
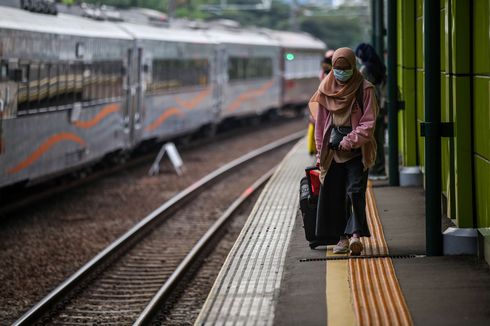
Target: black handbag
338,133
336,136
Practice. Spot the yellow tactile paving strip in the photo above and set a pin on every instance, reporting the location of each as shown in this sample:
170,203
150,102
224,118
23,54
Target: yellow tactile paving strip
365,291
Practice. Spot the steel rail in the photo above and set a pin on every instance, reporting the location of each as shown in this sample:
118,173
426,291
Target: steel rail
165,291
114,248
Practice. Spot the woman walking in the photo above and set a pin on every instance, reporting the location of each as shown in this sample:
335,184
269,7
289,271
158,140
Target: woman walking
344,108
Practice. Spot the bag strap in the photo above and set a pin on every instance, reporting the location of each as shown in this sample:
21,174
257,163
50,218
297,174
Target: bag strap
360,97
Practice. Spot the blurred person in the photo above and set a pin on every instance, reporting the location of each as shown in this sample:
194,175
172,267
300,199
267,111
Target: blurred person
344,108
375,71
326,65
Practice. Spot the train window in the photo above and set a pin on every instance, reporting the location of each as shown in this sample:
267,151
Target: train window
43,85
62,84
33,85
105,80
202,71
3,71
304,65
23,89
70,83
169,74
52,83
94,85
87,77
108,72
118,77
249,68
49,84
77,71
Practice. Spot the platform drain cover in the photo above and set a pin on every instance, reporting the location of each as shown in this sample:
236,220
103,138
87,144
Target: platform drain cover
305,260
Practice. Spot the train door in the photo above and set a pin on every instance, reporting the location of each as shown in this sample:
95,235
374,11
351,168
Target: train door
138,113
282,74
3,100
8,96
219,72
128,97
134,89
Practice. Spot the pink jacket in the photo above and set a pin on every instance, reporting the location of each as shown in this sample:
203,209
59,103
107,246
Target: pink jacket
360,137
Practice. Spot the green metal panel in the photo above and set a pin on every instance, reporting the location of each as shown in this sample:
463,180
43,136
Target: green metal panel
463,151
420,116
445,142
481,28
410,115
445,174
401,139
482,174
401,116
406,80
442,30
447,37
399,33
460,31
420,8
420,43
481,116
406,33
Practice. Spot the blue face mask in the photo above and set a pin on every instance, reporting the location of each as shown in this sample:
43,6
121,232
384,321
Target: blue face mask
342,75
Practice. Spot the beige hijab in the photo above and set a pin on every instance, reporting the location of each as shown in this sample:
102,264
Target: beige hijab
336,96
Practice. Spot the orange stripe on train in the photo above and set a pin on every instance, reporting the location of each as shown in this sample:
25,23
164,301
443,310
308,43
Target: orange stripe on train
191,104
108,109
249,94
44,147
164,116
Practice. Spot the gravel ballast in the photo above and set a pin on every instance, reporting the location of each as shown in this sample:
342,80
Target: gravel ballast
43,244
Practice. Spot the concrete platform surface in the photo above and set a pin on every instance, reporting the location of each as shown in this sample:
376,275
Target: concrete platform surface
271,276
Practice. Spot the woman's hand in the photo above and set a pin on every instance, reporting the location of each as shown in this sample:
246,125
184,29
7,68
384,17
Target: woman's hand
344,146
342,149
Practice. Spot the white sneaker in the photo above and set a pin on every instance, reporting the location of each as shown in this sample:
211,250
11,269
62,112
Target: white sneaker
342,247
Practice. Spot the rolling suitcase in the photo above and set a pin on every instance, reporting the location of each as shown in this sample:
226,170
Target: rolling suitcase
308,200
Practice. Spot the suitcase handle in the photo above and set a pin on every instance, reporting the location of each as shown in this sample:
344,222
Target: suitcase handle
307,171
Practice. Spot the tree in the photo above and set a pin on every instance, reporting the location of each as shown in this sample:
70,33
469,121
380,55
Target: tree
344,26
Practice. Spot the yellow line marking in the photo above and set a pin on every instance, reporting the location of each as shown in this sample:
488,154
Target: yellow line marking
376,294
339,305
331,254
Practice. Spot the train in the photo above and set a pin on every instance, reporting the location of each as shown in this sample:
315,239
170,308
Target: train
74,90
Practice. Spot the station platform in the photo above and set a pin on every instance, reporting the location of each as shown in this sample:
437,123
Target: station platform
272,277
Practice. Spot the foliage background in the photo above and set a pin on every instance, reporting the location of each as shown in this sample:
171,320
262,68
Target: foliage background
342,26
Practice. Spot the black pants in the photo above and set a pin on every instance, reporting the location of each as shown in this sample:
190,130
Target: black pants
342,201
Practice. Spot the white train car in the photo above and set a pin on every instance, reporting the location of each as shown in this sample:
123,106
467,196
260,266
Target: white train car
301,55
174,81
74,90
249,79
61,93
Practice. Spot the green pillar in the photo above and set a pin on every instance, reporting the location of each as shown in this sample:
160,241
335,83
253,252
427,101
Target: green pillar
461,100
407,81
379,29
432,104
373,23
392,96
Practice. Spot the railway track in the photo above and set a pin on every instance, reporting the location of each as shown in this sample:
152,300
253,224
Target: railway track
127,282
